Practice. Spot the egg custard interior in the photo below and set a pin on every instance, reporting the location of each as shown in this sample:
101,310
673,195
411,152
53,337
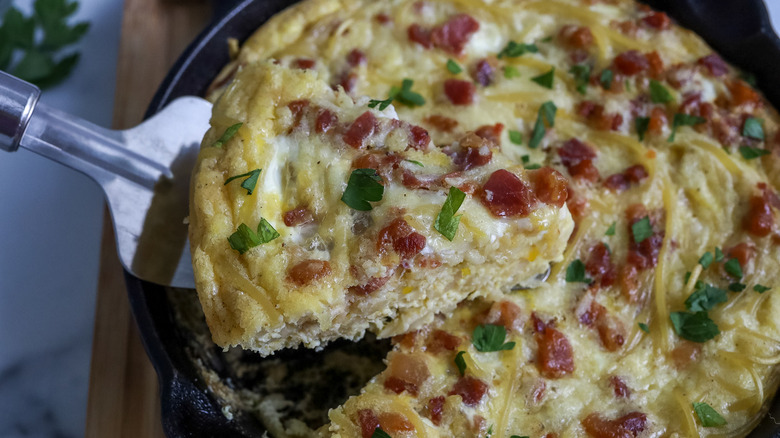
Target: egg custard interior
661,313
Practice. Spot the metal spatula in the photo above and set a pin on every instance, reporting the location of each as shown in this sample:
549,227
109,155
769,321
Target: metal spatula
144,171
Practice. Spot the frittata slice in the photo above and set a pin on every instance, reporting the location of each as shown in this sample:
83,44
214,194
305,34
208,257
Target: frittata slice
315,217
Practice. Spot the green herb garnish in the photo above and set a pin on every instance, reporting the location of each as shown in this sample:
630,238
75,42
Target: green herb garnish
249,183
403,95
641,124
642,229
760,288
533,166
705,297
228,134
575,273
719,256
581,73
611,230
244,238
684,120
446,222
379,433
453,67
753,128
708,416
605,78
490,337
706,259
515,137
460,363
545,79
695,327
513,50
750,153
733,268
644,327
510,71
416,163
546,112
659,93
364,185
737,287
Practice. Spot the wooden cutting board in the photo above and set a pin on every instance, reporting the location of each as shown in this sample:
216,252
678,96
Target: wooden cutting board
123,393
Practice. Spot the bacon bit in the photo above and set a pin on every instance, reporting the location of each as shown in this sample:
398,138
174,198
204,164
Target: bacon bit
743,94
406,340
579,37
578,205
551,435
383,18
304,63
298,107
348,81
657,121
657,20
629,284
435,409
505,195
759,219
395,423
442,123
325,120
555,353
538,390
599,265
656,64
713,65
578,158
418,138
631,63
470,389
372,285
356,57
474,152
505,313
411,181
459,92
611,331
441,341
368,422
491,133
406,372
362,128
428,262
619,387
307,271
406,242
743,252
453,35
479,425
621,181
549,186
483,72
626,426
420,35
597,118
684,353
627,27
643,255
298,216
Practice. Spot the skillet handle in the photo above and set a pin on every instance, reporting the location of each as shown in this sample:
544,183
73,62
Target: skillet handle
17,102
222,7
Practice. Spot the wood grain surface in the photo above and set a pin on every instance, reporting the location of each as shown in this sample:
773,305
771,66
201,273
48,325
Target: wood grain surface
123,393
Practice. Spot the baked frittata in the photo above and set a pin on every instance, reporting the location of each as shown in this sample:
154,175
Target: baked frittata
662,317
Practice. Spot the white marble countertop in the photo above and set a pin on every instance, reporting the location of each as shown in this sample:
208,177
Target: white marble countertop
50,227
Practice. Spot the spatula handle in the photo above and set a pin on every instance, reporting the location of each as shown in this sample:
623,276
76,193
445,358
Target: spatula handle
17,101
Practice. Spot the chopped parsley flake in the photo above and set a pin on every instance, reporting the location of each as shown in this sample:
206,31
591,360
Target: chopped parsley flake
453,67
644,327
546,79
737,287
525,159
684,120
611,229
642,229
659,93
705,297
446,222
403,95
641,124
581,73
750,78
364,185
416,163
546,111
695,327
719,255
753,128
760,288
708,416
605,78
750,153
228,134
490,337
510,71
706,260
244,238
249,183
518,436
379,433
533,166
513,50
515,137
733,268
460,363
575,273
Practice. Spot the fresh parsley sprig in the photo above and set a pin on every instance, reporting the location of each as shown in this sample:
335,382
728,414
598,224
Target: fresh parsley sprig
642,229
490,337
41,38
364,185
753,128
659,93
684,120
446,221
705,297
708,416
514,50
379,433
244,238
581,73
575,273
249,183
750,153
695,327
403,95
545,79
546,112
460,362
227,135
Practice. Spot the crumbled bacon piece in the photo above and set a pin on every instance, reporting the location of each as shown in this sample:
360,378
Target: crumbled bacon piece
655,63
298,216
644,254
453,35
619,387
305,63
549,186
743,252
405,241
308,271
325,120
383,18
631,63
362,128
626,426
442,123
555,353
578,158
298,108
597,118
759,219
483,72
347,81
418,138
743,94
368,422
435,409
395,423
474,152
440,341
579,37
713,65
356,57
657,20
412,181
504,194
406,372
599,265
491,133
505,313
470,389
420,35
621,181
657,121
459,92
373,284
684,353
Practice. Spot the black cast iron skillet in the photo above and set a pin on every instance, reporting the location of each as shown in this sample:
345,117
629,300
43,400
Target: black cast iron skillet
737,29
